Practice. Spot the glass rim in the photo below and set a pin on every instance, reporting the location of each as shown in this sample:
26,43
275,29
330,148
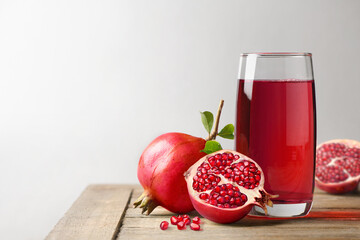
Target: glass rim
277,54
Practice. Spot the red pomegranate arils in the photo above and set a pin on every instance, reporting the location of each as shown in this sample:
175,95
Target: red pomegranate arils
185,216
174,220
196,220
164,225
195,226
181,225
187,221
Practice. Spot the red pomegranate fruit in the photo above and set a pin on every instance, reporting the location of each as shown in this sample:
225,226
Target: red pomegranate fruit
161,168
225,185
338,166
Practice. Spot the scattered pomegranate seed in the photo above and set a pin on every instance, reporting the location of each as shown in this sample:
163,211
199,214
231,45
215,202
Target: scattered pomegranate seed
187,221
164,225
181,221
185,216
174,220
195,226
181,225
196,220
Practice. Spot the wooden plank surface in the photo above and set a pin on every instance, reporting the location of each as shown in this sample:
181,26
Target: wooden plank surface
96,214
332,217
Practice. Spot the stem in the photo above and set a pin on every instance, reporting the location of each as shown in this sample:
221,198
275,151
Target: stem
214,132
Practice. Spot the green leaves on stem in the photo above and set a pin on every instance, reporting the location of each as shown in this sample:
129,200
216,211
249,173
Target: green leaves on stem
207,119
211,146
227,132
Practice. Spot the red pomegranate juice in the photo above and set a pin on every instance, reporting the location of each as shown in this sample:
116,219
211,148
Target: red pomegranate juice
275,126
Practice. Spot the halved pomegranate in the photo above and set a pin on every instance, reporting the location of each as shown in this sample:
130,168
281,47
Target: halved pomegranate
225,185
338,166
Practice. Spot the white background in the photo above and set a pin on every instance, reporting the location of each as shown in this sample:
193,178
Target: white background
86,85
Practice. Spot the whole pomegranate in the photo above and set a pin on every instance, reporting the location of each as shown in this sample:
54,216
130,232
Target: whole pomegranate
225,185
161,168
338,166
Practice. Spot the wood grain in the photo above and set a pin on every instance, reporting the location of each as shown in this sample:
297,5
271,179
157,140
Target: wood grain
332,217
96,214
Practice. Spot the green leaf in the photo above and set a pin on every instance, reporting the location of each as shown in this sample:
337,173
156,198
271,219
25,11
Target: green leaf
227,132
211,146
207,119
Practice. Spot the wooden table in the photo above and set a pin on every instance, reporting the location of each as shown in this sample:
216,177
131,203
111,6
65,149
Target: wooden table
105,212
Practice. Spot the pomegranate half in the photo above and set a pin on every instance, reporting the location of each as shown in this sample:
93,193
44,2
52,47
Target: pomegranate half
338,166
161,168
225,185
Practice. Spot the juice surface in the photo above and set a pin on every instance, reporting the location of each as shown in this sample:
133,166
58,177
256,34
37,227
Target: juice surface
275,126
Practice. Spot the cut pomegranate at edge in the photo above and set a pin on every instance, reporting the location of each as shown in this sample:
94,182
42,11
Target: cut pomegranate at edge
330,155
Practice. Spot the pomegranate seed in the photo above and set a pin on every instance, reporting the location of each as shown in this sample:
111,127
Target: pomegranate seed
185,216
215,195
196,220
187,221
180,218
174,220
181,225
195,227
220,200
164,225
203,196
243,197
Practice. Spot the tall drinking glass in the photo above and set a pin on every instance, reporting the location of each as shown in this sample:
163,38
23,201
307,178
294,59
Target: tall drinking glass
276,126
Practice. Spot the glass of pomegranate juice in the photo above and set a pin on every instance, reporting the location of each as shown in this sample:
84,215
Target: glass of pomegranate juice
276,127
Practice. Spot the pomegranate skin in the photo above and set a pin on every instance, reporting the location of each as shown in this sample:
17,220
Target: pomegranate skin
161,168
220,215
340,187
